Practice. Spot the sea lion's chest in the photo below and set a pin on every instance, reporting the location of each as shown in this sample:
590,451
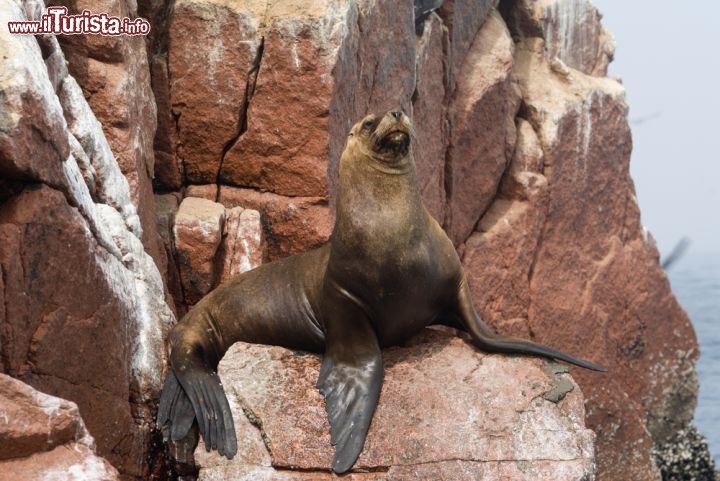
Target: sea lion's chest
402,286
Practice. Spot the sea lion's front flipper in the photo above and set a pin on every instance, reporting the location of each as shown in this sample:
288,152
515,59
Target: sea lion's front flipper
350,379
487,340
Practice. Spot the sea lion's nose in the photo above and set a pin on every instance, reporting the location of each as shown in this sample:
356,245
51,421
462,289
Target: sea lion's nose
397,114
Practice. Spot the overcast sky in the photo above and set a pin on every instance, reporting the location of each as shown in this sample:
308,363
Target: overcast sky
668,55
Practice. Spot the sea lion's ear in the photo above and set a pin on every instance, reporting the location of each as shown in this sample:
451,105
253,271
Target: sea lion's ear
350,134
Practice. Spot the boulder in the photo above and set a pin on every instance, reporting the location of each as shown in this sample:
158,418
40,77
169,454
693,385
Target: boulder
198,232
290,224
446,411
242,247
208,95
44,437
211,244
286,152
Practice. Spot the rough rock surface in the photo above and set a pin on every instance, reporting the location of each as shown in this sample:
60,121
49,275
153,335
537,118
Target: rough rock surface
114,75
211,243
446,411
44,437
607,295
429,112
207,124
476,158
291,224
197,232
242,247
572,31
83,312
166,207
522,150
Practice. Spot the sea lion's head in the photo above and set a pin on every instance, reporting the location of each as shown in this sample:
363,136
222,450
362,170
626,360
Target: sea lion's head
384,138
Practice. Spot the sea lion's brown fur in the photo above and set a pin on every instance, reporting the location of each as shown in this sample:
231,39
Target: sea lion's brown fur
388,271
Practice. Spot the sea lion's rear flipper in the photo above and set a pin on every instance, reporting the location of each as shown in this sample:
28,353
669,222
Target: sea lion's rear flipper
175,411
197,394
212,410
487,340
350,379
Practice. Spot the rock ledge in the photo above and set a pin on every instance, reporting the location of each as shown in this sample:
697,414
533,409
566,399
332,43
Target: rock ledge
447,411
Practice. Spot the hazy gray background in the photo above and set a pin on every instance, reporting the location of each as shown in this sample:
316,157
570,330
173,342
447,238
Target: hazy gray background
668,55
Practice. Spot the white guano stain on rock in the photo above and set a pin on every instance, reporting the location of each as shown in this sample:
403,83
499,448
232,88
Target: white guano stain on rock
151,314
105,203
82,123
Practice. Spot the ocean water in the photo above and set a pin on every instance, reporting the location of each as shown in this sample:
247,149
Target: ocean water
695,280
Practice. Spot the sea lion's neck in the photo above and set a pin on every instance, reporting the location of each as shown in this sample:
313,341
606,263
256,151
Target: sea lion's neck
376,202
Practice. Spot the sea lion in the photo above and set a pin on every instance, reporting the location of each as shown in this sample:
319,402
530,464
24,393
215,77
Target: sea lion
387,272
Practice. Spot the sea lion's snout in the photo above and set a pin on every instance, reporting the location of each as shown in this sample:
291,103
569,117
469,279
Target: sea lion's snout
392,135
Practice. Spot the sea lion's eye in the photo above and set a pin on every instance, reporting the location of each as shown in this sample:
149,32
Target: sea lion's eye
368,124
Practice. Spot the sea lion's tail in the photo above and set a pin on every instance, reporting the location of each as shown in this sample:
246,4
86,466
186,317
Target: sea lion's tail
521,346
487,340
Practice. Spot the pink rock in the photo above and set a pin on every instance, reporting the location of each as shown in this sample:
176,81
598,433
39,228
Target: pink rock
169,170
31,421
205,191
296,153
292,224
523,178
27,88
114,74
242,246
76,277
166,207
208,90
572,31
463,18
446,411
86,309
43,437
477,156
65,463
429,116
604,297
198,231
286,152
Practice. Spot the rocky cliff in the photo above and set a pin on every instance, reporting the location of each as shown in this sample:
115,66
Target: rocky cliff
83,306
234,114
